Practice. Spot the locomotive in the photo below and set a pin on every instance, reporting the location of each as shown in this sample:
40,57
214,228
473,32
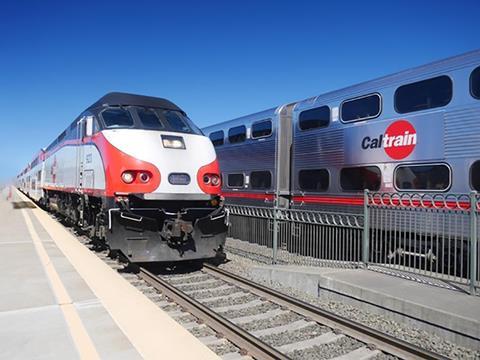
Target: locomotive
137,175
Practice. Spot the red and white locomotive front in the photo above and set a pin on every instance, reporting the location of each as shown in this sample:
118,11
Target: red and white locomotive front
157,177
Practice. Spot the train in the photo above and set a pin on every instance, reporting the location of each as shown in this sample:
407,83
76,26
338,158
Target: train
414,131
135,174
412,139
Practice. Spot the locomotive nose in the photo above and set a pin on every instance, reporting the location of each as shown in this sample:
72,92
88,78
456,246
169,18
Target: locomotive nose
184,163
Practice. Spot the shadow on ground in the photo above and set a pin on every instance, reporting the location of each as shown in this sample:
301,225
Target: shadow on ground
23,205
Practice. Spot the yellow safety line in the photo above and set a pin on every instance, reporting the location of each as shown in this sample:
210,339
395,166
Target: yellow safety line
82,340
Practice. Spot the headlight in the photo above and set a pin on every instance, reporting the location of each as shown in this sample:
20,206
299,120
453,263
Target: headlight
144,177
128,177
173,142
215,180
207,179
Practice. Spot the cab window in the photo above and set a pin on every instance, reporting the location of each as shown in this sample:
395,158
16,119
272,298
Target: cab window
117,117
149,119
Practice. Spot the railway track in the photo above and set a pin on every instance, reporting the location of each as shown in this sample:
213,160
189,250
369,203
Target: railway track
267,324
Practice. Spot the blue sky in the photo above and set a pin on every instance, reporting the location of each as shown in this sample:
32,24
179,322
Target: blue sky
216,59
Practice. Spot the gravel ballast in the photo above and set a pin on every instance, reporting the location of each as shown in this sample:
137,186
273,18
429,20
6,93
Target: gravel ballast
327,351
230,301
242,266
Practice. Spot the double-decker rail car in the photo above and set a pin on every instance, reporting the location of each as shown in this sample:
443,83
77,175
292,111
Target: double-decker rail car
247,148
414,131
417,131
138,175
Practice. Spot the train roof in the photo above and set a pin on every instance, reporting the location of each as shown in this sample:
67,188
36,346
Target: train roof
124,99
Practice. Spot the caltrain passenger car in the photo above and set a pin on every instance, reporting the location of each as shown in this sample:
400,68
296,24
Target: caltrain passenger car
137,175
414,131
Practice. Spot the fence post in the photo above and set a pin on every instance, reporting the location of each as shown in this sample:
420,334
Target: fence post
366,230
275,231
473,241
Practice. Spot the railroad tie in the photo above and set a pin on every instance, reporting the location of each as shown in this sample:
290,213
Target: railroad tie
235,295
238,306
305,344
261,316
297,325
362,353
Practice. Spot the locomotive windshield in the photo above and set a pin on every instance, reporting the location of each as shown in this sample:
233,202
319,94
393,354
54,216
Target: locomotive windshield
149,119
117,117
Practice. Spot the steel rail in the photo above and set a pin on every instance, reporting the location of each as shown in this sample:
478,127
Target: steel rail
239,337
378,339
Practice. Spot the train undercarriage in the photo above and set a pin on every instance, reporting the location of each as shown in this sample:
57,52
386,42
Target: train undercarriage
142,230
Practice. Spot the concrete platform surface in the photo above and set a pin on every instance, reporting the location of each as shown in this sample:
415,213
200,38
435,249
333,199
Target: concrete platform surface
453,315
58,300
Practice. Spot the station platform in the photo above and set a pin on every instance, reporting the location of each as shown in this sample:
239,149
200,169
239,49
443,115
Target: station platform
58,300
452,315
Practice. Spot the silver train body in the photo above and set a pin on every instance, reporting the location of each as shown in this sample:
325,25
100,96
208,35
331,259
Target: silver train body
414,131
411,135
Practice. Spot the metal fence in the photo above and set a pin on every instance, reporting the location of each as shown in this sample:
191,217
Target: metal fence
427,235
298,236
432,235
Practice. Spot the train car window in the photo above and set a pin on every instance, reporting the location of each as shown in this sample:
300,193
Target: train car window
313,179
235,180
260,180
422,177
217,138
475,176
237,134
425,94
149,119
361,108
117,117
314,118
475,83
261,129
360,178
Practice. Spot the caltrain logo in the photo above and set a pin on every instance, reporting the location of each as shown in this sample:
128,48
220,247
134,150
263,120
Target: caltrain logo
398,141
